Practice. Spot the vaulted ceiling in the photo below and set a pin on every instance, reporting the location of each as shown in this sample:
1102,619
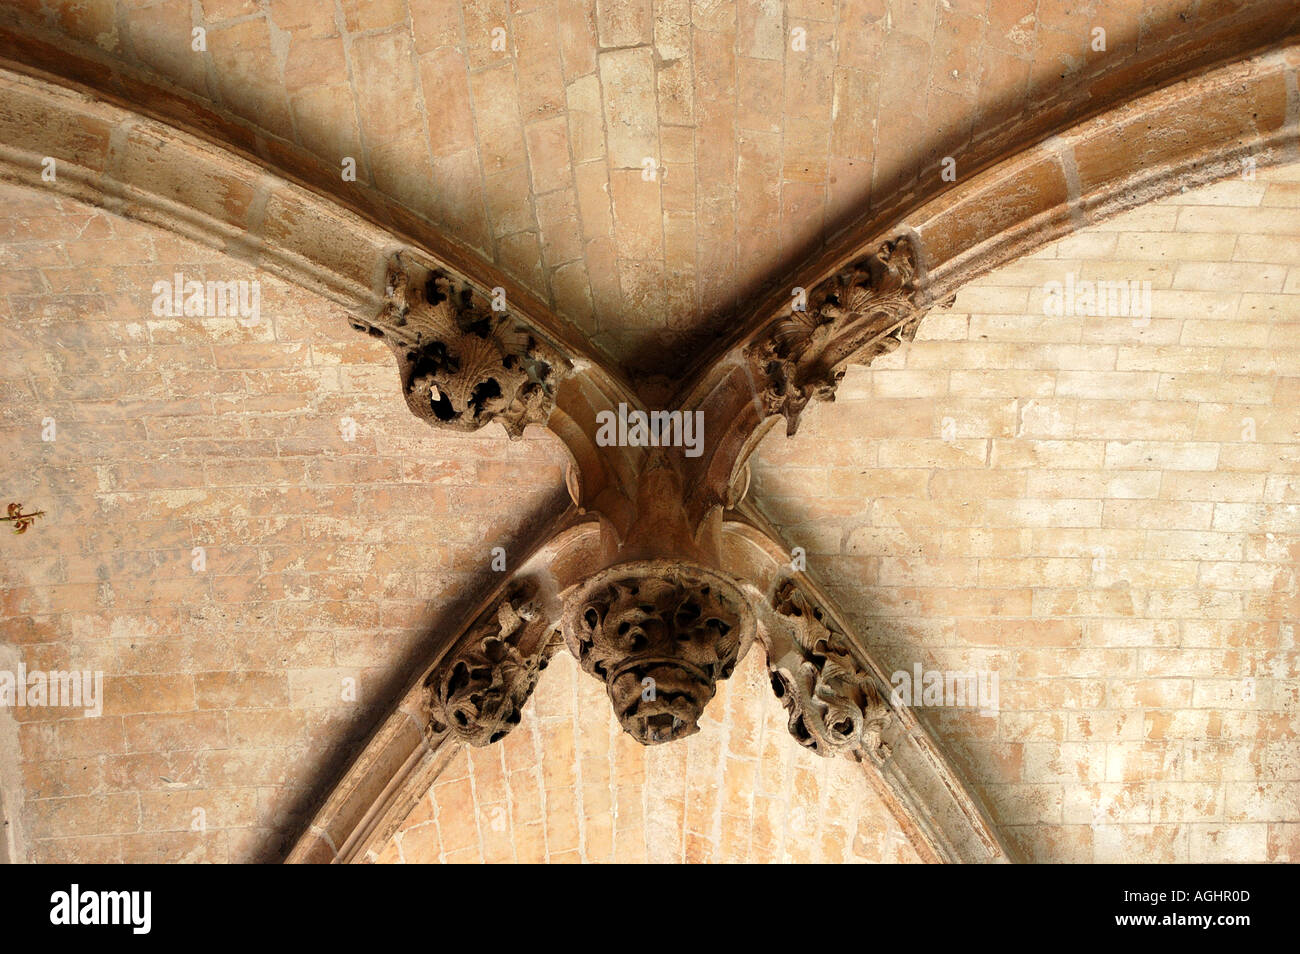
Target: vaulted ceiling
647,181
520,134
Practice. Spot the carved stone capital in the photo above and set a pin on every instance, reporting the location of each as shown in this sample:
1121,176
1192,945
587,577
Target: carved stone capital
478,692
864,311
463,364
832,700
659,635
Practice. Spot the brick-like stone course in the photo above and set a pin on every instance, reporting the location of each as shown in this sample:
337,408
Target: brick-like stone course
522,132
325,560
568,785
1103,511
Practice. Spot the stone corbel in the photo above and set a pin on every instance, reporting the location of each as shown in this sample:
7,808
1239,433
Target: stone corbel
477,693
466,361
864,309
834,704
463,364
660,635
862,312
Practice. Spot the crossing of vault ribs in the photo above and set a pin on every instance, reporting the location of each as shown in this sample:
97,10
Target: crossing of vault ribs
655,609
1062,176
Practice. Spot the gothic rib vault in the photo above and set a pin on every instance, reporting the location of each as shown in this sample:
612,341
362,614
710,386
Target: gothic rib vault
659,621
660,578
661,575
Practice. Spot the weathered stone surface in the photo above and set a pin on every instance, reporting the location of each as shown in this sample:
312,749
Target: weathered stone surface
864,311
660,637
470,118
477,692
463,363
832,701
